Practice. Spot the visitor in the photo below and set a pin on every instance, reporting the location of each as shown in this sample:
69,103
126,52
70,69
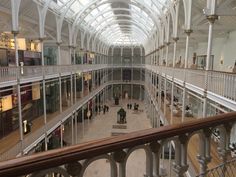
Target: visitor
234,68
96,109
99,109
128,106
187,108
104,109
107,108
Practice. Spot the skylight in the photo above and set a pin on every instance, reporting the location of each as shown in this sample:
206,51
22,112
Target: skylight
130,21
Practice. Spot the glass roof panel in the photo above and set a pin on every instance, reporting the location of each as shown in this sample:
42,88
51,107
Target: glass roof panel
138,10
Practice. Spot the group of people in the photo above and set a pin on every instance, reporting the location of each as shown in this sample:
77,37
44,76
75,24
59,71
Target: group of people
99,108
129,106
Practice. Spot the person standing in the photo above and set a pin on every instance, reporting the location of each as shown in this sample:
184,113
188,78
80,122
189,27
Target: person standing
99,109
104,109
96,109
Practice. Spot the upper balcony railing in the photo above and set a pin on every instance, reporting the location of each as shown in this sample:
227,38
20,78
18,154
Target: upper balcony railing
8,74
220,83
74,160
11,74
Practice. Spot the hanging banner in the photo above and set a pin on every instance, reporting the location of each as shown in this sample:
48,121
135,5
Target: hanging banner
36,91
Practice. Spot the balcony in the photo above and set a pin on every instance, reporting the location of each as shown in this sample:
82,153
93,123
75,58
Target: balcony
9,75
221,86
74,160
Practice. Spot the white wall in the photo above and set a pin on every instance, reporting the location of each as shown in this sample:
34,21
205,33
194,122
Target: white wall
65,58
229,51
223,49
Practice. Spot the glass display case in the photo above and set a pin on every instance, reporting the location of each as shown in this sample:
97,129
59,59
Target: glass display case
201,62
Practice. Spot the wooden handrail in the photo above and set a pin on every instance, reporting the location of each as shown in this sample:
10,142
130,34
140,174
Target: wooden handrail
28,164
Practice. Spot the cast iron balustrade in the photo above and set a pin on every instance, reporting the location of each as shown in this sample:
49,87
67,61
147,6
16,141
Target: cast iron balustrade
73,160
220,83
24,73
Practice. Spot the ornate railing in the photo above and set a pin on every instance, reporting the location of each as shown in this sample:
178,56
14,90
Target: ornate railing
25,72
220,83
11,74
74,160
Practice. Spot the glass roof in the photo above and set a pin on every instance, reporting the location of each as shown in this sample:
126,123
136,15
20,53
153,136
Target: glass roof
115,22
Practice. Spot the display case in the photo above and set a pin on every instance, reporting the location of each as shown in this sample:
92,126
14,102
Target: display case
201,62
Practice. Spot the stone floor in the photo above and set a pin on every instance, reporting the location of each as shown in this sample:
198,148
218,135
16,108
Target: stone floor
102,126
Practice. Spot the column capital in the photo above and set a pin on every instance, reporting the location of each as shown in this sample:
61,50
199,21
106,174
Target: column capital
119,156
15,32
155,147
168,43
212,18
183,139
74,168
188,31
207,132
72,46
161,47
175,38
41,39
59,43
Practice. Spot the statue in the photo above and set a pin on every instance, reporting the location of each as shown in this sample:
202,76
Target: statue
121,116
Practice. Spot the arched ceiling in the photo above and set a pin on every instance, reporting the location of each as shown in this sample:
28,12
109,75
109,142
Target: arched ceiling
121,22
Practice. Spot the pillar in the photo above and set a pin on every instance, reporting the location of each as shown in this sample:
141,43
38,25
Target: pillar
19,93
188,32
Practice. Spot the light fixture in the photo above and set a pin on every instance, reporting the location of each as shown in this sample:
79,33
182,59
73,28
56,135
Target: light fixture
0,104
25,126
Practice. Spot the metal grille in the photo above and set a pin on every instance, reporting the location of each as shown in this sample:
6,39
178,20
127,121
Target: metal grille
227,169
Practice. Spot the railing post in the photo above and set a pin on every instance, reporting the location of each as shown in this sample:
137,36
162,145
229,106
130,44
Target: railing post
60,93
76,127
165,87
82,109
155,147
119,157
74,169
180,165
204,156
19,94
223,148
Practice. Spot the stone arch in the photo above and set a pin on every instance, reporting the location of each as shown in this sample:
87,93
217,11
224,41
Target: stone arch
113,165
149,158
